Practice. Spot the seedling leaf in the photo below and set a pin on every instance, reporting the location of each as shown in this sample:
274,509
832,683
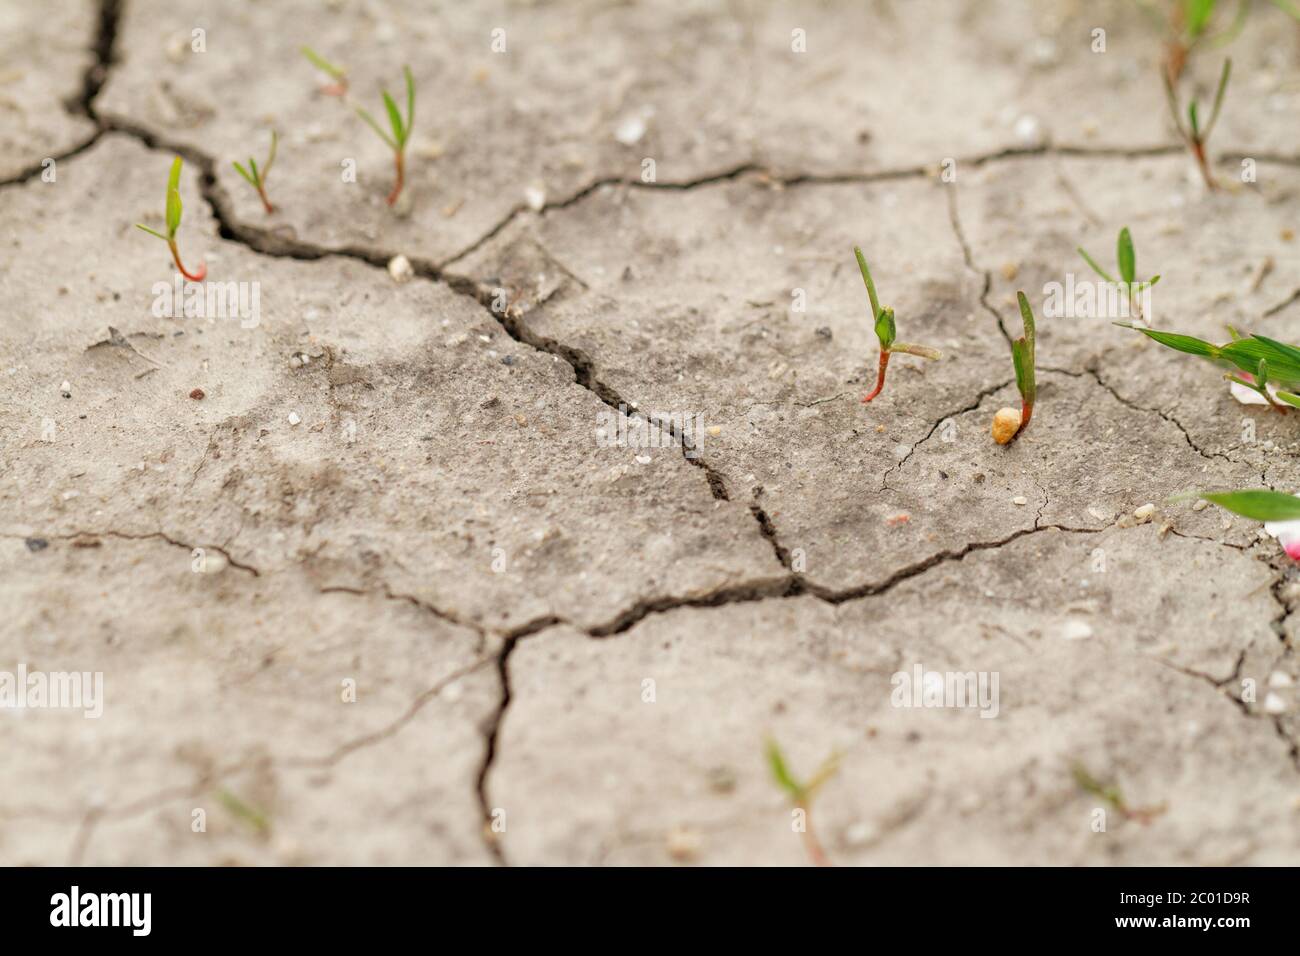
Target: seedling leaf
243,172
376,127
321,63
1125,256
394,118
1218,97
1095,268
871,286
781,773
886,329
1181,343
1258,504
140,225
410,102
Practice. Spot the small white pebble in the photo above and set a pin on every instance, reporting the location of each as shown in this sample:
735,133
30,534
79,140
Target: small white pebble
1076,630
1274,704
643,459
1200,505
630,130
1280,679
1020,500
66,389
1145,512
294,418
399,267
1269,446
535,196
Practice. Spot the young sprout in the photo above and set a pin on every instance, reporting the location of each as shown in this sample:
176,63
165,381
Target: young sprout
1111,794
401,130
801,794
173,217
886,330
257,177
1008,423
1127,259
1256,362
336,73
1279,511
1194,134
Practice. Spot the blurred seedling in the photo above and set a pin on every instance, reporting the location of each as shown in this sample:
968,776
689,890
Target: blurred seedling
173,219
1256,362
257,177
801,794
1194,134
1127,261
401,130
1111,794
1007,422
336,73
249,815
886,331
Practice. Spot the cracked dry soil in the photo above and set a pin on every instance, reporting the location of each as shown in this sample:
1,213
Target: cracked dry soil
381,595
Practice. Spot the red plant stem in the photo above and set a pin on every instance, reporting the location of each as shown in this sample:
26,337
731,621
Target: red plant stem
261,191
1026,412
193,277
401,176
1198,150
336,89
811,843
880,377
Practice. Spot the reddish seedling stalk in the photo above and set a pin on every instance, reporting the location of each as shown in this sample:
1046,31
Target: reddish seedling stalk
801,797
1193,134
886,330
173,220
401,131
257,177
1112,795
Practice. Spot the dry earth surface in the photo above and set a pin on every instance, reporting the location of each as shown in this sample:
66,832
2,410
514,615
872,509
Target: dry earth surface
386,593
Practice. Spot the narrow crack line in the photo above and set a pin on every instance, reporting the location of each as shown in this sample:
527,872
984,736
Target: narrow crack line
1095,374
31,172
934,560
768,529
105,51
389,595
145,536
731,173
491,745
978,401
986,277
392,727
1218,683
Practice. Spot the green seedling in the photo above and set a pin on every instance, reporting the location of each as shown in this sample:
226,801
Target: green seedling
1112,795
336,73
173,219
257,177
1254,361
401,130
1007,422
801,794
254,818
886,330
1194,134
1127,261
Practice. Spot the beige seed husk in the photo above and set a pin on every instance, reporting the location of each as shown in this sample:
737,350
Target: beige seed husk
1005,425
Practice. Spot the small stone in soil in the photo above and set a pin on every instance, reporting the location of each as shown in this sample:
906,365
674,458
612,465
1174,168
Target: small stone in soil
197,393
36,544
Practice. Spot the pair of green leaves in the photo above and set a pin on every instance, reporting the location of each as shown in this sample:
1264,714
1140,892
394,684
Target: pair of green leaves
1126,257
1266,360
401,129
886,327
173,207
802,793
1193,133
1022,355
255,177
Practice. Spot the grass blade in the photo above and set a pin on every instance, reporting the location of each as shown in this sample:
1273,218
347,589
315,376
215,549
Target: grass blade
1259,504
